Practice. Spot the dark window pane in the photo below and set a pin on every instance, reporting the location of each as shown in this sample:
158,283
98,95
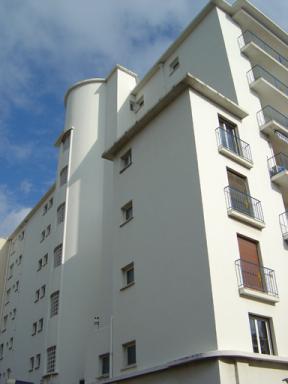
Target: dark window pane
130,276
131,354
254,335
263,337
105,365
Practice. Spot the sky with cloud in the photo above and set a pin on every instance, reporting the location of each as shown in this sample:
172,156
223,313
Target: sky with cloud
45,47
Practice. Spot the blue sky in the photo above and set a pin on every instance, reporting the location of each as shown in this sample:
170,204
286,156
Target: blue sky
48,45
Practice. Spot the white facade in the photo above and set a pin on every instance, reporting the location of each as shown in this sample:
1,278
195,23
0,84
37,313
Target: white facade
138,265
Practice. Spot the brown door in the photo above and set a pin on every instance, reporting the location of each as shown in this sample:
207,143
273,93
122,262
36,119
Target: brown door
250,264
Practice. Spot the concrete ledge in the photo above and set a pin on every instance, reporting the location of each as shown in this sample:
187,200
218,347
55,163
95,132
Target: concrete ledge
233,156
246,219
258,295
211,355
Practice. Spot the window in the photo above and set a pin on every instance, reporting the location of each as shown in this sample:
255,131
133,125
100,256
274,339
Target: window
34,329
45,209
8,296
31,363
21,236
58,256
37,361
128,275
39,264
104,361
20,259
129,350
48,230
45,259
126,160
5,320
11,268
1,351
42,236
37,295
127,212
66,141
51,359
8,373
54,304
50,203
137,105
11,340
13,314
261,335
174,65
17,286
63,176
42,291
40,325
61,213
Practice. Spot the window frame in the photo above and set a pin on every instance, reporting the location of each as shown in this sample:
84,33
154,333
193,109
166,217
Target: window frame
127,155
61,213
51,359
102,365
127,268
126,347
54,303
268,326
128,207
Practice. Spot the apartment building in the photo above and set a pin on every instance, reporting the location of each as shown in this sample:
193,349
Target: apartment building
160,254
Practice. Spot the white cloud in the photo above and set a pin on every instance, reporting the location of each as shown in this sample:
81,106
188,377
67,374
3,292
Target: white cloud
11,213
26,186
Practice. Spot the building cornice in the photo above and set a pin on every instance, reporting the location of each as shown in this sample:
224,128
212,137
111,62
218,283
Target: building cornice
212,355
189,81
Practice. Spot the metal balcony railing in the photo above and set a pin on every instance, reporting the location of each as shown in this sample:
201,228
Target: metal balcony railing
277,164
254,276
257,72
233,143
243,203
249,37
283,219
268,113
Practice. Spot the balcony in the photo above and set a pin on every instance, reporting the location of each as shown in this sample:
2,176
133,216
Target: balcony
257,282
269,88
233,147
243,207
278,169
271,120
283,219
259,52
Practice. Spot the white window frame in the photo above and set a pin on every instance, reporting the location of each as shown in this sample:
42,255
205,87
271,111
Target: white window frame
268,327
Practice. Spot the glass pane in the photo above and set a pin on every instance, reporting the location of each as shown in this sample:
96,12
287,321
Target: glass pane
105,365
130,276
263,336
131,355
253,335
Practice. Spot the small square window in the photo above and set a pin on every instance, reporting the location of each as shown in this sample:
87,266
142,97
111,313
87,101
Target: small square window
45,209
126,160
42,236
128,275
50,203
37,361
5,321
17,286
129,350
127,212
39,264
48,230
104,361
14,314
20,259
34,329
11,341
37,295
174,65
66,141
31,364
42,291
45,259
11,268
40,325
8,296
